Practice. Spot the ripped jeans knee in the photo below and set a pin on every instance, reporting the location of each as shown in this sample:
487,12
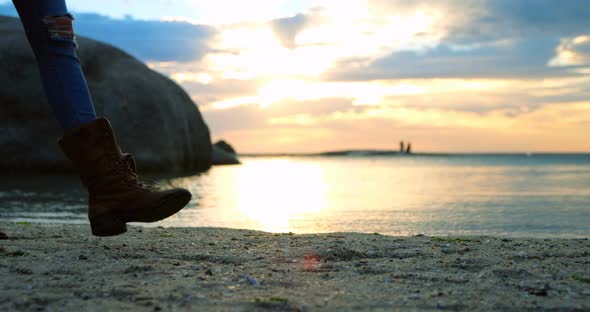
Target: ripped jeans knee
60,28
49,27
50,32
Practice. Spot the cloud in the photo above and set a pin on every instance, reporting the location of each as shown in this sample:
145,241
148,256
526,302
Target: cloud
572,52
526,58
206,85
511,114
491,20
483,39
543,17
147,40
253,116
286,29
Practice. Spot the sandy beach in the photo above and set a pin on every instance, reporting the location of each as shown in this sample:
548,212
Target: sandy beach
64,268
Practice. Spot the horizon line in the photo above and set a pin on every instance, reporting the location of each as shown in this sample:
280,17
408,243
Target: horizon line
377,152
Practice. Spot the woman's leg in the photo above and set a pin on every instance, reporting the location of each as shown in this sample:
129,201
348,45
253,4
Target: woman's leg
116,194
48,26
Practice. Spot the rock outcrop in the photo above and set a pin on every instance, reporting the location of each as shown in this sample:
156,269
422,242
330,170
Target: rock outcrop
224,154
222,144
153,117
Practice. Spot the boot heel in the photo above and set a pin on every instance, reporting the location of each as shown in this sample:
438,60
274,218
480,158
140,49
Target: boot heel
107,226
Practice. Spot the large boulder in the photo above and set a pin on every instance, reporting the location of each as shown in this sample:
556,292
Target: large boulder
153,118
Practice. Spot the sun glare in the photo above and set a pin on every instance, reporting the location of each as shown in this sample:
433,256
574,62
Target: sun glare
257,192
255,53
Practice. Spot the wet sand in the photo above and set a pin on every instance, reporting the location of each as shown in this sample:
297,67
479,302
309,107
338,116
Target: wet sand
64,268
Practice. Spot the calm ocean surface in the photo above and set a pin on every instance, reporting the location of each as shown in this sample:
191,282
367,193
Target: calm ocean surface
513,195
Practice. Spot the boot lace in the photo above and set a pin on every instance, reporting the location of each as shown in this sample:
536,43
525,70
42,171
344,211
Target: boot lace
126,164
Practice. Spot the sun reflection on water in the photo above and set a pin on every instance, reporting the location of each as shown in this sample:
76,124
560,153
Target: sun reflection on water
271,193
389,195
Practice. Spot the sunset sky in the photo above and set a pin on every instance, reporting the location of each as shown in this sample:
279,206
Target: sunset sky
318,75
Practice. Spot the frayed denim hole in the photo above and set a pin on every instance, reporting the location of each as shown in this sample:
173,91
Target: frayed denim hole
60,29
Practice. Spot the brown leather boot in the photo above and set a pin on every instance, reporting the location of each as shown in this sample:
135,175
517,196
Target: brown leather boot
116,194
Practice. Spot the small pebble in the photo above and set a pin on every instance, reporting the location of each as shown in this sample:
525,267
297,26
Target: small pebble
82,257
252,281
3,235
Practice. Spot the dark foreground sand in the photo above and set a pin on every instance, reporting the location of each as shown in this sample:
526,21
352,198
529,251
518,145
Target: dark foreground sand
64,268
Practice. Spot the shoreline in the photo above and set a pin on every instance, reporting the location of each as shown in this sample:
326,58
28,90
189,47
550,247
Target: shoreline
83,221
63,267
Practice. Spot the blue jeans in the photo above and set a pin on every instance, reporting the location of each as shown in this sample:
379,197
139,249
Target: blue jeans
48,26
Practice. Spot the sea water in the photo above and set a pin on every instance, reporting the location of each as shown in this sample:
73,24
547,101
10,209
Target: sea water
511,195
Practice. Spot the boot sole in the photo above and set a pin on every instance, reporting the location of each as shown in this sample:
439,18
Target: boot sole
111,225
164,209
